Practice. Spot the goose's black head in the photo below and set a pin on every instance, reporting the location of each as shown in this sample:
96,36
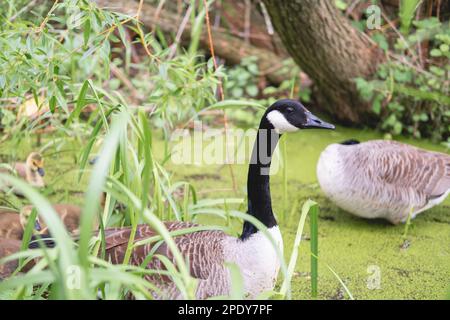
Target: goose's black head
290,116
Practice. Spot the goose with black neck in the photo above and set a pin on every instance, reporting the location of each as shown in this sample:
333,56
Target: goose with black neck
209,252
282,117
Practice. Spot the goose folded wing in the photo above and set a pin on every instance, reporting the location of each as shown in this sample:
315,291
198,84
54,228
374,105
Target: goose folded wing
440,185
202,249
427,173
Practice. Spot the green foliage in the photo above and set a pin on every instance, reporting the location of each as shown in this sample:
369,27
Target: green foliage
54,57
407,11
242,80
409,98
340,4
50,58
180,88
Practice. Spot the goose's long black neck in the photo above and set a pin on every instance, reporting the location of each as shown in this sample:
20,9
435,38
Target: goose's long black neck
258,181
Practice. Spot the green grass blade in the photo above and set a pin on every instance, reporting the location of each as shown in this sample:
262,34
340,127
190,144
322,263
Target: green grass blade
314,242
407,11
285,288
81,102
341,282
101,169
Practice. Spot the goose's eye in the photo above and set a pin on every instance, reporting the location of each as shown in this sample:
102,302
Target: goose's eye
290,109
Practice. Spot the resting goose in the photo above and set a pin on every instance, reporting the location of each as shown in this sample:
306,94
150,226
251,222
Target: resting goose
31,171
383,179
207,251
12,224
69,214
11,233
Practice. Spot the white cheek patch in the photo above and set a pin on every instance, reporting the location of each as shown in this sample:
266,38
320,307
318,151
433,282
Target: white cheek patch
280,123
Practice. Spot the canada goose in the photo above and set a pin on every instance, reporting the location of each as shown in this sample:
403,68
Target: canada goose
207,251
70,216
31,171
383,179
12,224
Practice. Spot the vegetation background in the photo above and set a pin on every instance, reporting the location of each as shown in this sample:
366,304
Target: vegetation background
114,79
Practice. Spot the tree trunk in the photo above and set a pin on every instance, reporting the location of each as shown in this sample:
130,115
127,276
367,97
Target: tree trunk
326,46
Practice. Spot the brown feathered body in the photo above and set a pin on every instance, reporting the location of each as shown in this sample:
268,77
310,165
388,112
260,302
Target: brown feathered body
10,226
384,179
206,253
11,231
7,248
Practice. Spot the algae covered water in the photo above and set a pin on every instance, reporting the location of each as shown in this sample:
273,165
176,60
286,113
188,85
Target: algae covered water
372,257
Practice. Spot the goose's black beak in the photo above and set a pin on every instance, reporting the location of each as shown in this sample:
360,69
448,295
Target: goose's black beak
41,172
313,122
